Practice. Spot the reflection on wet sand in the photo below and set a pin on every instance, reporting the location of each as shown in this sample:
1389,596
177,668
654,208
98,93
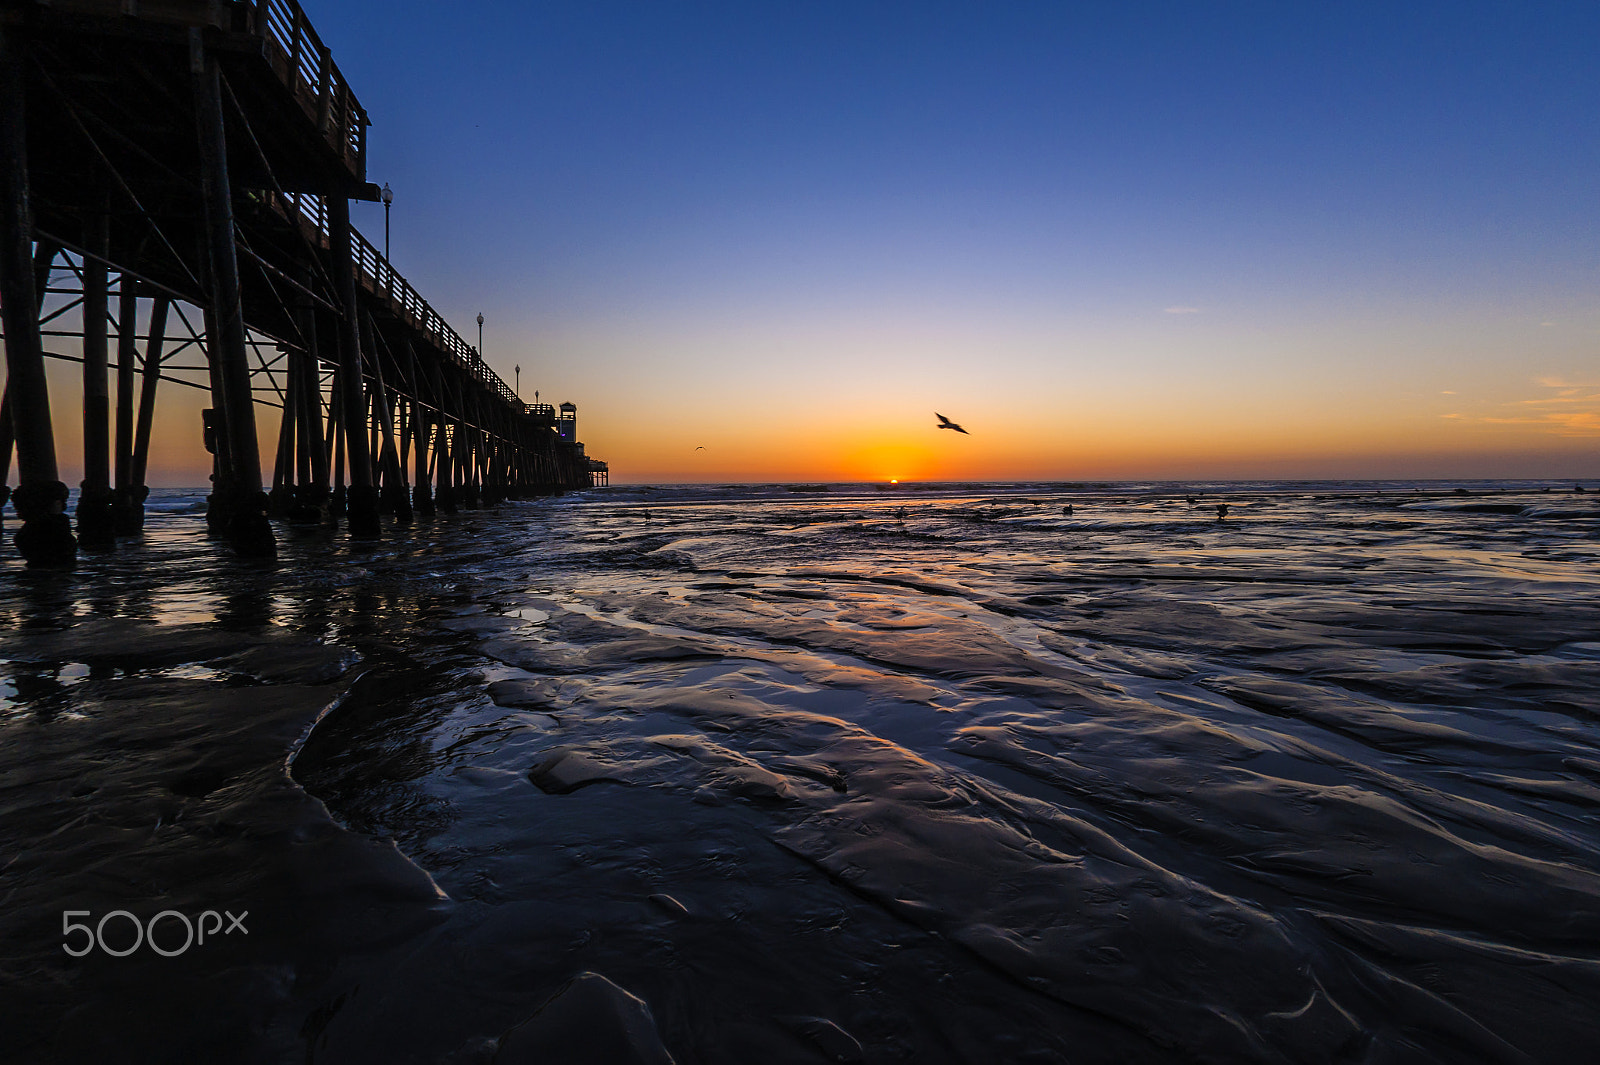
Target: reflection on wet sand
939,777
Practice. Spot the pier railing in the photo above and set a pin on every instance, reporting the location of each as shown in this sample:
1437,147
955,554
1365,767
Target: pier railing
305,65
379,277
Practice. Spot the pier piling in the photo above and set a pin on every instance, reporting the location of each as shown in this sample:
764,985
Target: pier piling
96,531
243,504
361,498
127,511
40,499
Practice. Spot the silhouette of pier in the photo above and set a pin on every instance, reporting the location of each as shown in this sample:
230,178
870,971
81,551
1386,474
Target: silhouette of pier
175,184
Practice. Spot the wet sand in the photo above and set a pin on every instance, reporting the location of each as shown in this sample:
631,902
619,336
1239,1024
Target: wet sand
837,774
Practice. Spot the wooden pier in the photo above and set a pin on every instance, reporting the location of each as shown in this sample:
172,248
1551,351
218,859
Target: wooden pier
175,183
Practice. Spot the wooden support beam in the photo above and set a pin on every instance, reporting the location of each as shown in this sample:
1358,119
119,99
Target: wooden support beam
305,392
319,487
307,430
307,422
243,503
374,445
95,529
333,445
127,504
280,500
394,500
444,443
127,374
40,498
422,422
44,253
213,421
154,343
397,495
8,437
421,490
466,453
361,499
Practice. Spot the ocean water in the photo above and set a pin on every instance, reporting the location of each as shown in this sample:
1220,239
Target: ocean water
809,773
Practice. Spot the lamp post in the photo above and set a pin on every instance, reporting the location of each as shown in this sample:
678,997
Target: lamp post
480,336
519,382
388,198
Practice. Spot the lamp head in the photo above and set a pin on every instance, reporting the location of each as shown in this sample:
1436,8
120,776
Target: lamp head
388,194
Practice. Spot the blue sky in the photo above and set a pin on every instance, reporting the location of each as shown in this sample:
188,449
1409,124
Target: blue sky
1374,224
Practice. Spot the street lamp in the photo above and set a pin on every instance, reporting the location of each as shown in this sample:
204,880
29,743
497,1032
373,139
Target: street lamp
480,334
519,382
388,198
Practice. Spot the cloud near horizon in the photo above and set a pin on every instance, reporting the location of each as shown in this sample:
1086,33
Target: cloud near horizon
1574,411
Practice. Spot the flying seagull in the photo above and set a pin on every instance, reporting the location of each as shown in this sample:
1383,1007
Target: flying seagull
702,447
946,423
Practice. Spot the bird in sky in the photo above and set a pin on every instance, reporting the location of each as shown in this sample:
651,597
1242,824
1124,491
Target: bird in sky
702,447
946,423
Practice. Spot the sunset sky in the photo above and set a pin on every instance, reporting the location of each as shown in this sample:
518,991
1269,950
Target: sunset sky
1111,239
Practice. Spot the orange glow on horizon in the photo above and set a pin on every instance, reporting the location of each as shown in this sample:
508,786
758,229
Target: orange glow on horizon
1542,428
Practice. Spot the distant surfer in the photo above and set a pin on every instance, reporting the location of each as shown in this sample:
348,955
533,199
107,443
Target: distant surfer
1067,510
946,423
1222,511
